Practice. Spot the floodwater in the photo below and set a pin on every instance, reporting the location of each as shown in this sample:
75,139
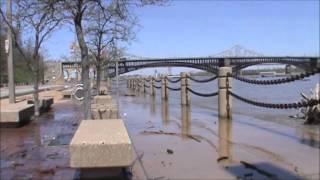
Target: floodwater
178,142
39,150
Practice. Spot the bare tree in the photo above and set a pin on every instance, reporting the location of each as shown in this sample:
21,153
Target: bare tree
107,26
81,12
37,19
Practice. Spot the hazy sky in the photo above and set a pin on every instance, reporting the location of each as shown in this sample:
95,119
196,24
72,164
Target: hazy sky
202,28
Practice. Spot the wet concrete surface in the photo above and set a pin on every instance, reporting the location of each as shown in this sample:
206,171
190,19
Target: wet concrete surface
39,150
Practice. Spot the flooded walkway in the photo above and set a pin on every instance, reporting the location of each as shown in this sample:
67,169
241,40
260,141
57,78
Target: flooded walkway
39,150
189,143
170,142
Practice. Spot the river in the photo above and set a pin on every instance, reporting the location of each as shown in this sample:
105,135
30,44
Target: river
189,142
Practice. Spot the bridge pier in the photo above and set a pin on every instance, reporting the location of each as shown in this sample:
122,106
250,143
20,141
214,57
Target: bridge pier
185,97
224,100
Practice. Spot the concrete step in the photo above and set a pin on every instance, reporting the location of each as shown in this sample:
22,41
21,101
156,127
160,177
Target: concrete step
45,103
67,93
104,111
101,144
15,115
102,99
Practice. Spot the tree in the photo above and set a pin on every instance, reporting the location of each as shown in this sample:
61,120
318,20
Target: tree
81,12
37,19
106,27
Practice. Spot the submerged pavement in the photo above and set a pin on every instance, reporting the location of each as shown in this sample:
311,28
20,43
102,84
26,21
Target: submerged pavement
177,142
39,150
171,142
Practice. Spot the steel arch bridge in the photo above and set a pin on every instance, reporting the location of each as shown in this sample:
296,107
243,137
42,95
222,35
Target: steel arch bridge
209,64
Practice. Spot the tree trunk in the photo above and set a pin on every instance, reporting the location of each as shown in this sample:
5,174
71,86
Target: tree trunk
36,94
85,65
98,78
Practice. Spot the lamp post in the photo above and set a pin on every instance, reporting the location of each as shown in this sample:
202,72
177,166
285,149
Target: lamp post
11,85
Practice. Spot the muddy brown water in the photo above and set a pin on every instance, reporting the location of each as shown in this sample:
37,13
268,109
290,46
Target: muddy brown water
257,144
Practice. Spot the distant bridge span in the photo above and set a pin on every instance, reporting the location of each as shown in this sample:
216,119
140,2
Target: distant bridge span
209,64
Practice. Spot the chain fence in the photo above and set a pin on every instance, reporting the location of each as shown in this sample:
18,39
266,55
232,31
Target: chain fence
202,80
174,89
276,81
174,81
294,105
157,87
202,94
157,80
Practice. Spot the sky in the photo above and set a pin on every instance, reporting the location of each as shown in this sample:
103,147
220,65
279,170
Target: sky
201,28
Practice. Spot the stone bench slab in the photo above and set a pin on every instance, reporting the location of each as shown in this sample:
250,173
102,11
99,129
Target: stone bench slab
104,111
101,144
45,103
103,99
16,114
67,93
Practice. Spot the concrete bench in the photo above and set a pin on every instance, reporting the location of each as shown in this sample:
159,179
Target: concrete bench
14,115
101,144
103,91
102,99
67,93
45,103
104,111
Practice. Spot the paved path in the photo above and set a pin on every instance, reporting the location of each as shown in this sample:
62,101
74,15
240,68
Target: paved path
24,90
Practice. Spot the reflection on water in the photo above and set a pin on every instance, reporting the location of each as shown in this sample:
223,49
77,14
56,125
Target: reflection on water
224,149
185,120
308,137
165,112
245,147
153,105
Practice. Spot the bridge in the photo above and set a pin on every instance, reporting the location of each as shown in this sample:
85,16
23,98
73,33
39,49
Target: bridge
238,57
209,64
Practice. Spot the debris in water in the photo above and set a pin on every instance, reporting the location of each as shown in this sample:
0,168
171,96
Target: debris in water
46,171
169,151
248,175
261,171
222,158
171,133
127,94
62,139
311,114
163,164
52,156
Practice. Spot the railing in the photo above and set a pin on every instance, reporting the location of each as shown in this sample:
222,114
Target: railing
225,89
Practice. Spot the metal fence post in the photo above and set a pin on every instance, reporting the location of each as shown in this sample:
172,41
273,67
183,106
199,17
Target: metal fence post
185,97
224,100
134,84
164,90
144,85
153,92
